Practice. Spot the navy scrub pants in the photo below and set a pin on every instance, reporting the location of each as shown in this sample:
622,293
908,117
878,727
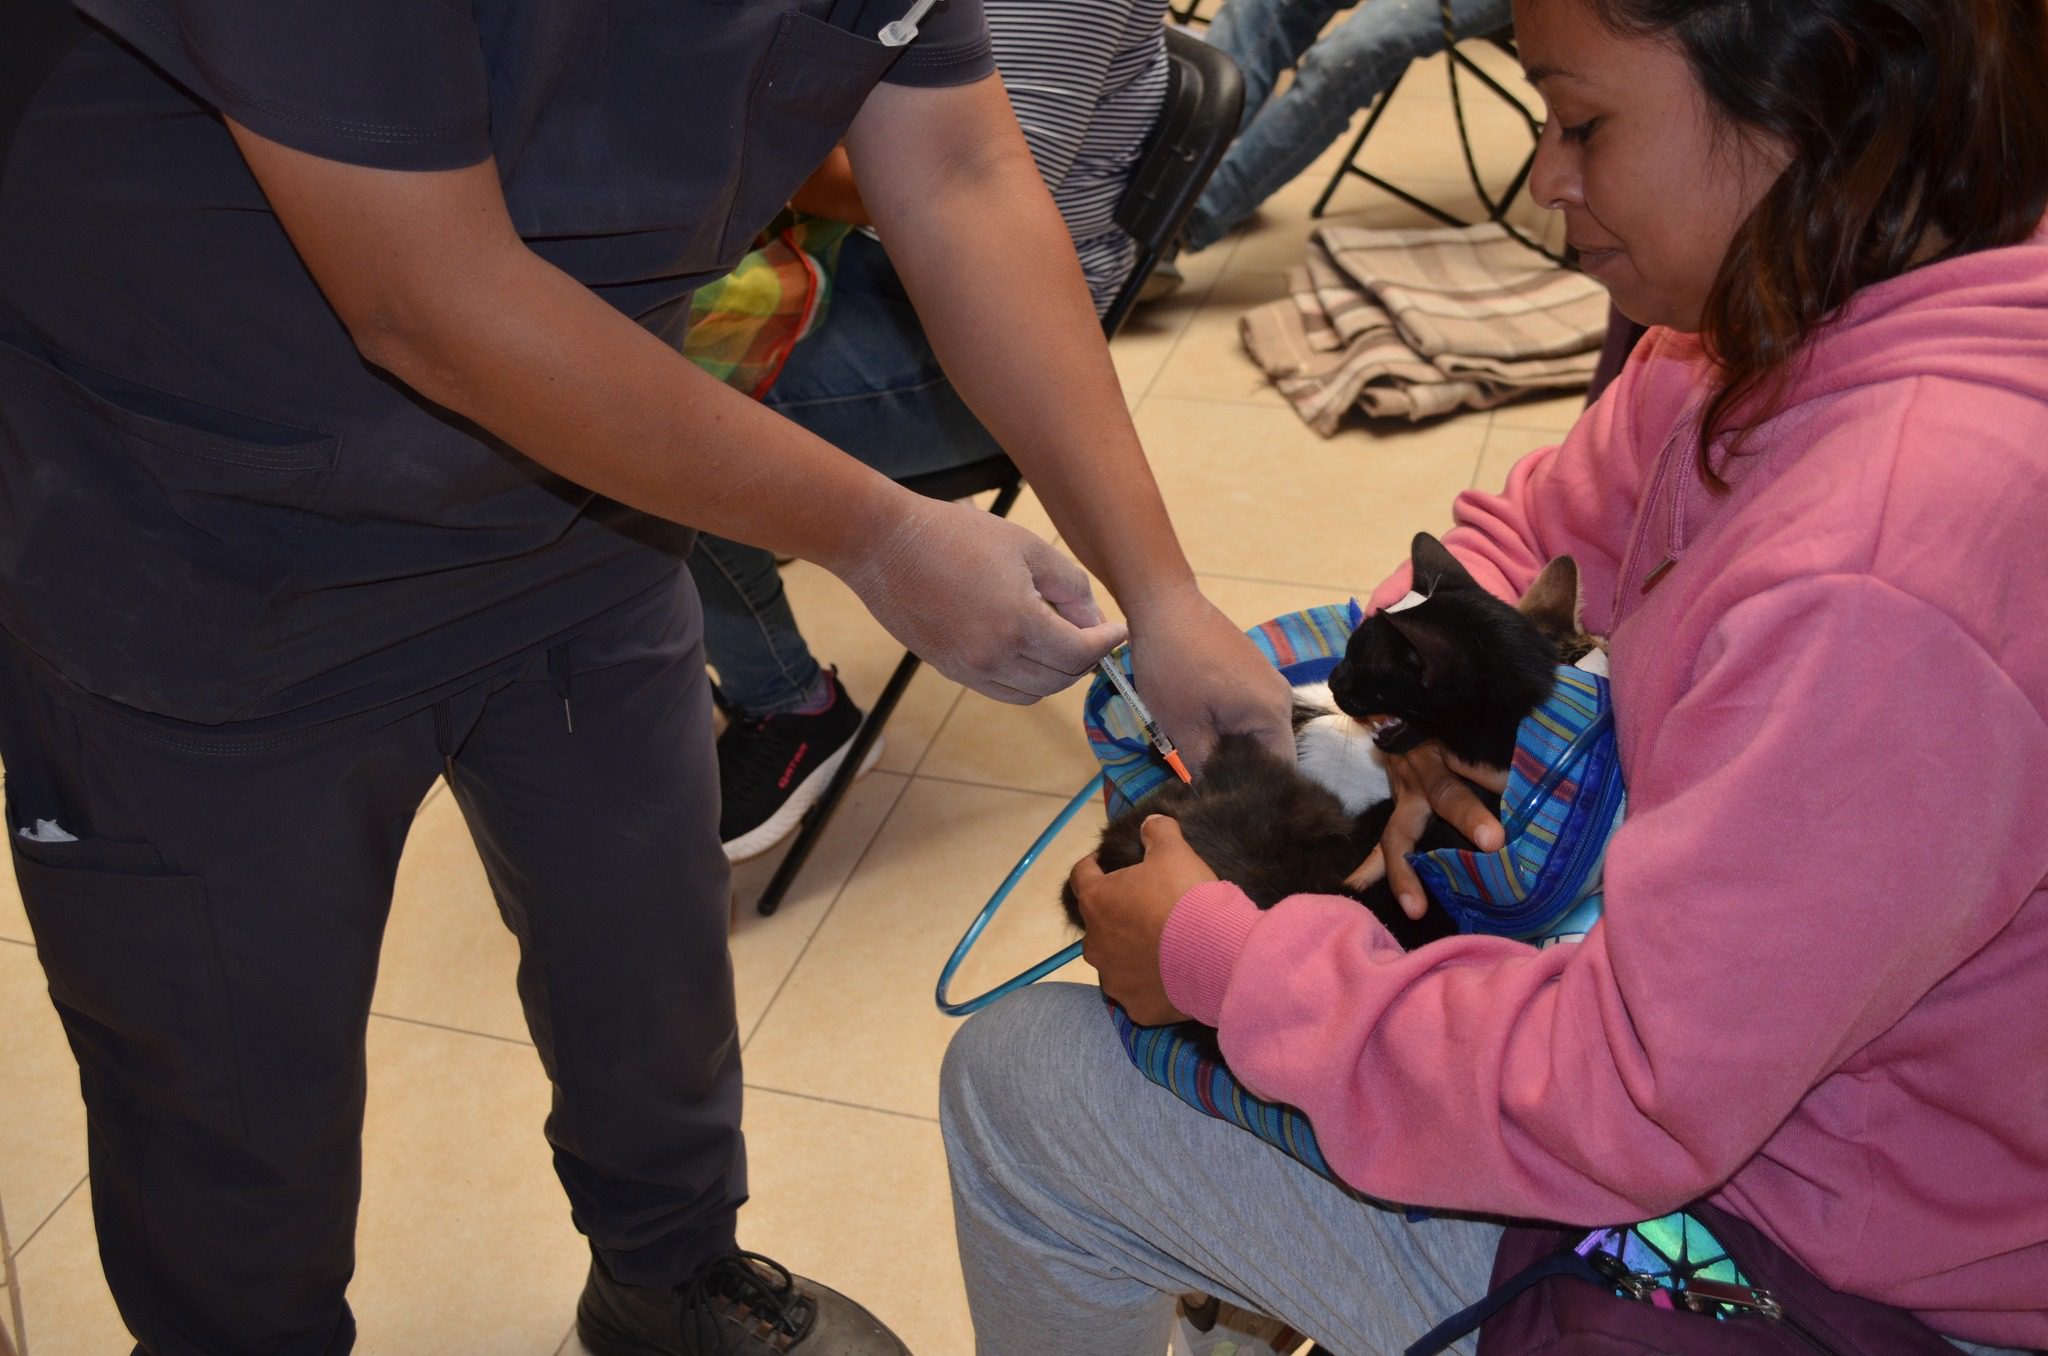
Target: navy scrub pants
211,943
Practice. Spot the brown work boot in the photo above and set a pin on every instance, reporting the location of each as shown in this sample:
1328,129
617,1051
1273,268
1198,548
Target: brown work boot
740,1304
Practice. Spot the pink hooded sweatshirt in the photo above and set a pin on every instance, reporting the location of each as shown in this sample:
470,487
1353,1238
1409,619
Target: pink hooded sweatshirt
1819,993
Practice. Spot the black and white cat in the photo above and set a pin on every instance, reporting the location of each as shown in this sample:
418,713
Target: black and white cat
1448,662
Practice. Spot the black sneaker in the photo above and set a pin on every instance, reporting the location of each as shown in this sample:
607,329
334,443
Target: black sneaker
740,1304
773,768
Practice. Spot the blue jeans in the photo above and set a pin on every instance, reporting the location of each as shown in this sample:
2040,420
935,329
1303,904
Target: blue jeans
868,383
1333,79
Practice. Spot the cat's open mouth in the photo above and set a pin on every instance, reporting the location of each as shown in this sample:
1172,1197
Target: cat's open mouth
1395,734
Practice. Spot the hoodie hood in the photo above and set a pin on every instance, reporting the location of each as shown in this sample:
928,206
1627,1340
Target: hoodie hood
1980,318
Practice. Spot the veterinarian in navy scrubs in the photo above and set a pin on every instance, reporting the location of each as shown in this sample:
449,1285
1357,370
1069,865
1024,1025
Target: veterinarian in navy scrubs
335,343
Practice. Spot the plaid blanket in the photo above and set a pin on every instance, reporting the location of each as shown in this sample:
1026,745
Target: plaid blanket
1415,323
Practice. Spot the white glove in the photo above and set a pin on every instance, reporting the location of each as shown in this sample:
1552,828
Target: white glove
983,601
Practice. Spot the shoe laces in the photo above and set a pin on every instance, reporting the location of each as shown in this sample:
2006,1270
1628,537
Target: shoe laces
754,752
757,1294
752,756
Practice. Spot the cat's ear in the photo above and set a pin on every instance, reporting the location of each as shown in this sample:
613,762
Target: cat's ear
1427,649
1432,565
1553,603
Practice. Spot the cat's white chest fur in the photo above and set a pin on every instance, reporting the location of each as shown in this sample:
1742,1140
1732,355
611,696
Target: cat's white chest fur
1337,751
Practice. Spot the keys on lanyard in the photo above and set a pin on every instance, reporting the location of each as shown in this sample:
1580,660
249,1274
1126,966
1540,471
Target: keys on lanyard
899,33
849,15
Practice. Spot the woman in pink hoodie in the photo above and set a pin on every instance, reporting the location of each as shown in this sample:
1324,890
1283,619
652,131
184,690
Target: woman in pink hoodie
1812,518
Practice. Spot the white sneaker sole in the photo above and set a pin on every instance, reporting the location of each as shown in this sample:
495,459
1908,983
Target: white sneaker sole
784,821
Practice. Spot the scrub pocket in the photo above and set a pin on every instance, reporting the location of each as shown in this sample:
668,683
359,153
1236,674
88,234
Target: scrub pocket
680,130
814,81
129,952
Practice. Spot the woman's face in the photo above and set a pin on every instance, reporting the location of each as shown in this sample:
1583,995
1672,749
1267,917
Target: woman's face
1651,183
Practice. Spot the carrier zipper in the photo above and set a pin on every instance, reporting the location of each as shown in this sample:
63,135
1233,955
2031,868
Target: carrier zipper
1700,1292
1699,1295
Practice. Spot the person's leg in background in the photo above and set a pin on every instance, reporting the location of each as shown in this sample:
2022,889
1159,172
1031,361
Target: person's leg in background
210,931
1265,38
1336,77
1086,1200
867,382
587,781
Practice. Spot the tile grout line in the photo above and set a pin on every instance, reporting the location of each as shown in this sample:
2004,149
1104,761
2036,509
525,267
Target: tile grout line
837,895
76,1187
525,1044
998,786
1479,462
1187,321
850,1106
938,732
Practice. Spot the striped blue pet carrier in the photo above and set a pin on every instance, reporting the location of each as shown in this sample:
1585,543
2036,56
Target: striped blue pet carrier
1563,800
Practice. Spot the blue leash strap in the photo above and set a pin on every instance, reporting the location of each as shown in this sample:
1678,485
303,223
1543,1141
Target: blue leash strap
1564,1262
995,901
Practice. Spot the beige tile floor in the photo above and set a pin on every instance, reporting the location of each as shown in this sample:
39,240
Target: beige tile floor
465,1243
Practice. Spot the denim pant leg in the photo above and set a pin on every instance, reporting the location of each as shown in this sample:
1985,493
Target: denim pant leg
1266,37
1337,76
1086,1199
750,633
868,383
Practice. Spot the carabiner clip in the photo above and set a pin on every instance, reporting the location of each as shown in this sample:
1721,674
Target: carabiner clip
900,32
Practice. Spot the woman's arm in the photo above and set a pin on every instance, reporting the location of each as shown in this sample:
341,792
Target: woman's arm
1812,845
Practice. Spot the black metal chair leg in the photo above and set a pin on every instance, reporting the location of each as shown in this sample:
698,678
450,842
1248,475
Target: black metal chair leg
1357,143
820,814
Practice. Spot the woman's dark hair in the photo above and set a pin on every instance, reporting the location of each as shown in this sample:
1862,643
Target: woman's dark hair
1918,131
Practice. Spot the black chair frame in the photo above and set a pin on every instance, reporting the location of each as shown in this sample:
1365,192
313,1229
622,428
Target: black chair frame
1496,207
1204,96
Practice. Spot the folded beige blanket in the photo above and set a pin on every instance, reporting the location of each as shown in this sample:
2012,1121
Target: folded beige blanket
1415,323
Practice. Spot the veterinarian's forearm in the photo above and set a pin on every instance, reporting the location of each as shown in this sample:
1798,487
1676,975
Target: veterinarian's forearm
988,262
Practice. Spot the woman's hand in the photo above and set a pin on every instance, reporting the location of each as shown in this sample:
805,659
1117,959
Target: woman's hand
1203,677
1125,913
1428,781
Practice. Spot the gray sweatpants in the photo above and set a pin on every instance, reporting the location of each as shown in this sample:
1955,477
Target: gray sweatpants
1087,1199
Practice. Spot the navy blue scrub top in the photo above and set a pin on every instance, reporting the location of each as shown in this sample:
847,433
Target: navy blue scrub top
211,508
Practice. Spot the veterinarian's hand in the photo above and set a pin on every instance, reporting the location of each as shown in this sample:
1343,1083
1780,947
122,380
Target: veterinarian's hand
1203,677
1125,914
983,601
1428,781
